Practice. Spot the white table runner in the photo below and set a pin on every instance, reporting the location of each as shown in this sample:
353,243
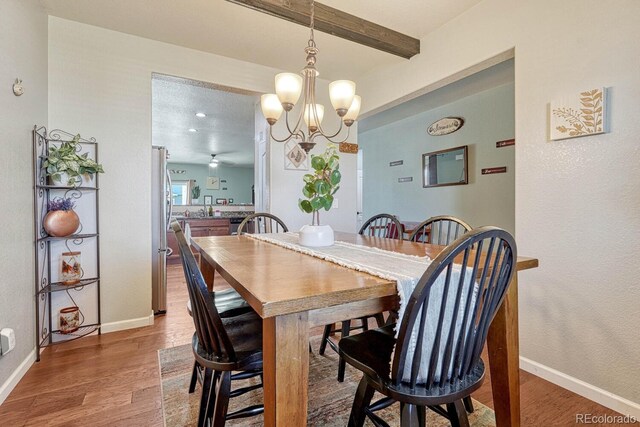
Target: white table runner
406,270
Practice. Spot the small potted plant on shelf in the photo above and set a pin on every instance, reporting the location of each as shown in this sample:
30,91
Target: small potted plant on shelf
61,220
195,194
319,189
64,165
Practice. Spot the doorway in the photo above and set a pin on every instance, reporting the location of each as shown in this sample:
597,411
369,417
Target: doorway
394,141
214,167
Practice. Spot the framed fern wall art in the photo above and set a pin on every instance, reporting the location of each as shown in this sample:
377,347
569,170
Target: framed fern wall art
582,115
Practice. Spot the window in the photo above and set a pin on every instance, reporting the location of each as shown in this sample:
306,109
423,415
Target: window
181,192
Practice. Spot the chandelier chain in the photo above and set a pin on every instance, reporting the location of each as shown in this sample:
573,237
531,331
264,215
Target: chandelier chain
312,42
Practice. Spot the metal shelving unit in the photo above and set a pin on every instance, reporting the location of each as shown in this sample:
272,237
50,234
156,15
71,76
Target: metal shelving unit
50,291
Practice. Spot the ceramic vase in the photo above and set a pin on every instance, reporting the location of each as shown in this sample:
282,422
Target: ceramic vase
61,223
69,319
70,268
316,235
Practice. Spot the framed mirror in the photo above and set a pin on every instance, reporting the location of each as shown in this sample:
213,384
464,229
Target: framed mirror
445,167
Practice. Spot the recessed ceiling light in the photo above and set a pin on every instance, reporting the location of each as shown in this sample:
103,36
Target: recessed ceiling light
201,115
193,130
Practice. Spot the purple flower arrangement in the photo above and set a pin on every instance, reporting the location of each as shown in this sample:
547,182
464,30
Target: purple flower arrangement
61,204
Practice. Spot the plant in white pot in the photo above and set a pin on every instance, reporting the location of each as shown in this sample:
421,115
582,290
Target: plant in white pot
195,195
64,165
319,189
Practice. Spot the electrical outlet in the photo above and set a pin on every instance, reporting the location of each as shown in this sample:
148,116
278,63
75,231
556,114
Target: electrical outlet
7,340
335,204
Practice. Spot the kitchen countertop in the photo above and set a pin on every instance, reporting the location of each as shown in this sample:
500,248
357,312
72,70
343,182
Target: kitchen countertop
223,215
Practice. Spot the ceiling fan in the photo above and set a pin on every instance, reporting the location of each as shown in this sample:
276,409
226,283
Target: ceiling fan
214,162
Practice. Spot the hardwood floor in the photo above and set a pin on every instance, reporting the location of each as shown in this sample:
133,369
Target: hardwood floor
114,379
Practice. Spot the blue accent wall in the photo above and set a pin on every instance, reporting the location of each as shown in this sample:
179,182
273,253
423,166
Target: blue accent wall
487,199
238,185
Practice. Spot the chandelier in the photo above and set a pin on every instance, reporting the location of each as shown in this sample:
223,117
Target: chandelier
308,125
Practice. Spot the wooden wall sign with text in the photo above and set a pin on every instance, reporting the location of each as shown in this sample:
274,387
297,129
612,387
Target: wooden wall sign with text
396,163
406,179
490,171
505,143
346,147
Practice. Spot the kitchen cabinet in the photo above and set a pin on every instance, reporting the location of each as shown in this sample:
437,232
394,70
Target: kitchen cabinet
201,227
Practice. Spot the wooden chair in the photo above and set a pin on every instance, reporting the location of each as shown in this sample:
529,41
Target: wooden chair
446,365
439,230
262,222
382,225
220,345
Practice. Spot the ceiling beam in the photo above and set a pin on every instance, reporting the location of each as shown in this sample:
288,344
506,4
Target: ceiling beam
338,23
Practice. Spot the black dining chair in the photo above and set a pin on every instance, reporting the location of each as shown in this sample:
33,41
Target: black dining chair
221,345
439,230
435,360
381,225
262,222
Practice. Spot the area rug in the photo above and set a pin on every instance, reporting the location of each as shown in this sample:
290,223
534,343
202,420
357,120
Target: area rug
329,401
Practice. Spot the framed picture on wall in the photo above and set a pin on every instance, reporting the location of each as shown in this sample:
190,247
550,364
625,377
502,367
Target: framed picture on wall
208,200
295,158
213,183
445,167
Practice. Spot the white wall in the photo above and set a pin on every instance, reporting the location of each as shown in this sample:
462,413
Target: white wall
577,204
23,49
100,86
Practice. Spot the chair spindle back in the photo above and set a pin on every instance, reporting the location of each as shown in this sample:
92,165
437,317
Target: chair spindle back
439,230
382,225
212,336
451,308
262,222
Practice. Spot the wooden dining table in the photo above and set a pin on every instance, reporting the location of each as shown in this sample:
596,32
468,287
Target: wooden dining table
294,292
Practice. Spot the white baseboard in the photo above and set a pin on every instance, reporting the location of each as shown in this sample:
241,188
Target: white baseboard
127,324
16,376
591,392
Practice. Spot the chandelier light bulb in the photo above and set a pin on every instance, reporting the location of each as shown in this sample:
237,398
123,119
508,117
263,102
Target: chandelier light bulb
310,117
354,110
288,89
341,93
271,107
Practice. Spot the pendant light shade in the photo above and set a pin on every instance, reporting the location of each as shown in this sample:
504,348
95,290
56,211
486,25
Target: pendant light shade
271,107
288,89
313,120
341,93
354,110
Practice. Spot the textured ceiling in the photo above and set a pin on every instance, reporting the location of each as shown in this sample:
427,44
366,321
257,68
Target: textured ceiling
227,130
220,27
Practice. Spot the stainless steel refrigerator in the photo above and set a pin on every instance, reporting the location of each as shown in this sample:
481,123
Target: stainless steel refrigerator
161,207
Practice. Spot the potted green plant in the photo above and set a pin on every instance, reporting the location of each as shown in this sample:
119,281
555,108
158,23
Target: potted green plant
61,220
195,194
318,190
64,165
